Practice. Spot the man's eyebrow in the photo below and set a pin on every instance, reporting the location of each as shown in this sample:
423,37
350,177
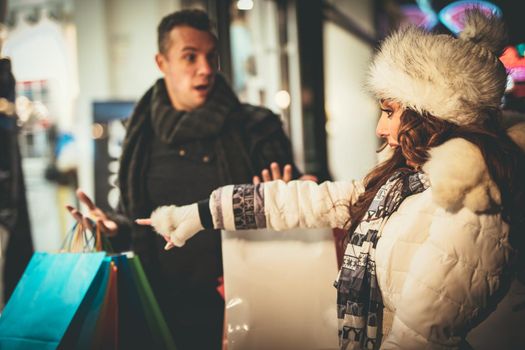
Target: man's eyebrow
194,49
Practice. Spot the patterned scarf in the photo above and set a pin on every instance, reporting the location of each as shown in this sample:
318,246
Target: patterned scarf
359,302
154,116
179,127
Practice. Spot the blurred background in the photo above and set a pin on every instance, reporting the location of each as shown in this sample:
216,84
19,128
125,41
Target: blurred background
81,65
71,72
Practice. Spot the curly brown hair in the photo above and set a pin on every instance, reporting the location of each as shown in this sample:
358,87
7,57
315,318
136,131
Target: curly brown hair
419,133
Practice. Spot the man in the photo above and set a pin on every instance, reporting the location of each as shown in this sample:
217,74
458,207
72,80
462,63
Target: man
188,135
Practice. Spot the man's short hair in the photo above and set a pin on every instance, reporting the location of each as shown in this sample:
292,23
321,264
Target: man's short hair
194,18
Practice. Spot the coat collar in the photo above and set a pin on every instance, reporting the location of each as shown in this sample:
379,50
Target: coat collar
459,176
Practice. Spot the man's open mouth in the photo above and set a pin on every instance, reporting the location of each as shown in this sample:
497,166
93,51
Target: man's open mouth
202,87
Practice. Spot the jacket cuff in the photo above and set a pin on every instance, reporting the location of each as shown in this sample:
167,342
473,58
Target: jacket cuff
205,214
122,240
238,207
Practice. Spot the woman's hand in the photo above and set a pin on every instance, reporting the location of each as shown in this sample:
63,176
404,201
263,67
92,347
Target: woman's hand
175,224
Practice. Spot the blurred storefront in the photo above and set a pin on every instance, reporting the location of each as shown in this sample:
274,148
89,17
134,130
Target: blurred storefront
81,65
306,61
290,56
41,45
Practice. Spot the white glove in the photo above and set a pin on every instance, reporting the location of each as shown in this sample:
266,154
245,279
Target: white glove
179,223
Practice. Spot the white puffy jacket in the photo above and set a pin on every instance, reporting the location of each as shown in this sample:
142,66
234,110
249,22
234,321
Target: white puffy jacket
443,259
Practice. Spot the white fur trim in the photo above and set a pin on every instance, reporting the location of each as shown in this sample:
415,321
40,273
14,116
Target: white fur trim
179,223
456,80
162,219
227,208
460,178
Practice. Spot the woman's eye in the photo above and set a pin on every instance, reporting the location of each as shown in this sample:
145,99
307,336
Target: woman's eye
388,112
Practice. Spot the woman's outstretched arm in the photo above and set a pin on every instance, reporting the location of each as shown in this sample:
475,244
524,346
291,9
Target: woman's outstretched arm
273,205
280,206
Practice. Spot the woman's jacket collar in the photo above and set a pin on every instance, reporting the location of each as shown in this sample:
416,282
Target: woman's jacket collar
459,176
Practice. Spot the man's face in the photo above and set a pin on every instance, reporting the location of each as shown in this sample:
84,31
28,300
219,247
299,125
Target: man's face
189,66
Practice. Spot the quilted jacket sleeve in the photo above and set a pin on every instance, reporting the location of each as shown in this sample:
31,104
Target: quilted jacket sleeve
454,281
278,205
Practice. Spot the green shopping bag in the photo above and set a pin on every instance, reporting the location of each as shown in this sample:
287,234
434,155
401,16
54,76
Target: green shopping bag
132,320
155,319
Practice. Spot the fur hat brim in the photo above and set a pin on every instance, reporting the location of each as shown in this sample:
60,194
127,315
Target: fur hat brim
454,79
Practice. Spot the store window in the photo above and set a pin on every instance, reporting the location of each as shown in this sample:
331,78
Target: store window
41,44
256,53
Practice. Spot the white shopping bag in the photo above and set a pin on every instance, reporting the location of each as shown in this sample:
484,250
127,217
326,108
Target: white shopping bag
279,289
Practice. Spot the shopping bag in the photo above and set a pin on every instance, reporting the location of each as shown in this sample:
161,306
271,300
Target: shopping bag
95,325
154,317
129,307
84,300
47,298
99,308
106,333
300,257
80,331
140,317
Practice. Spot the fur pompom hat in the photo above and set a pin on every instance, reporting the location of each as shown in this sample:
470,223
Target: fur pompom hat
455,79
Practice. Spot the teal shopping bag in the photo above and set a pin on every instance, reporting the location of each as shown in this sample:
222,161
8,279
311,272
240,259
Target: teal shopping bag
95,307
47,298
83,300
80,333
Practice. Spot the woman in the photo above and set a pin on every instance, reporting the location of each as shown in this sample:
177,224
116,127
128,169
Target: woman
434,230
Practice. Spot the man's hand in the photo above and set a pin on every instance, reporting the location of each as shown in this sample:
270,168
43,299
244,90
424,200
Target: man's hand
308,177
107,226
275,174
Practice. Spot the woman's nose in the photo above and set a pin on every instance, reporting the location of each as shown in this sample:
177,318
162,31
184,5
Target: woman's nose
381,129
